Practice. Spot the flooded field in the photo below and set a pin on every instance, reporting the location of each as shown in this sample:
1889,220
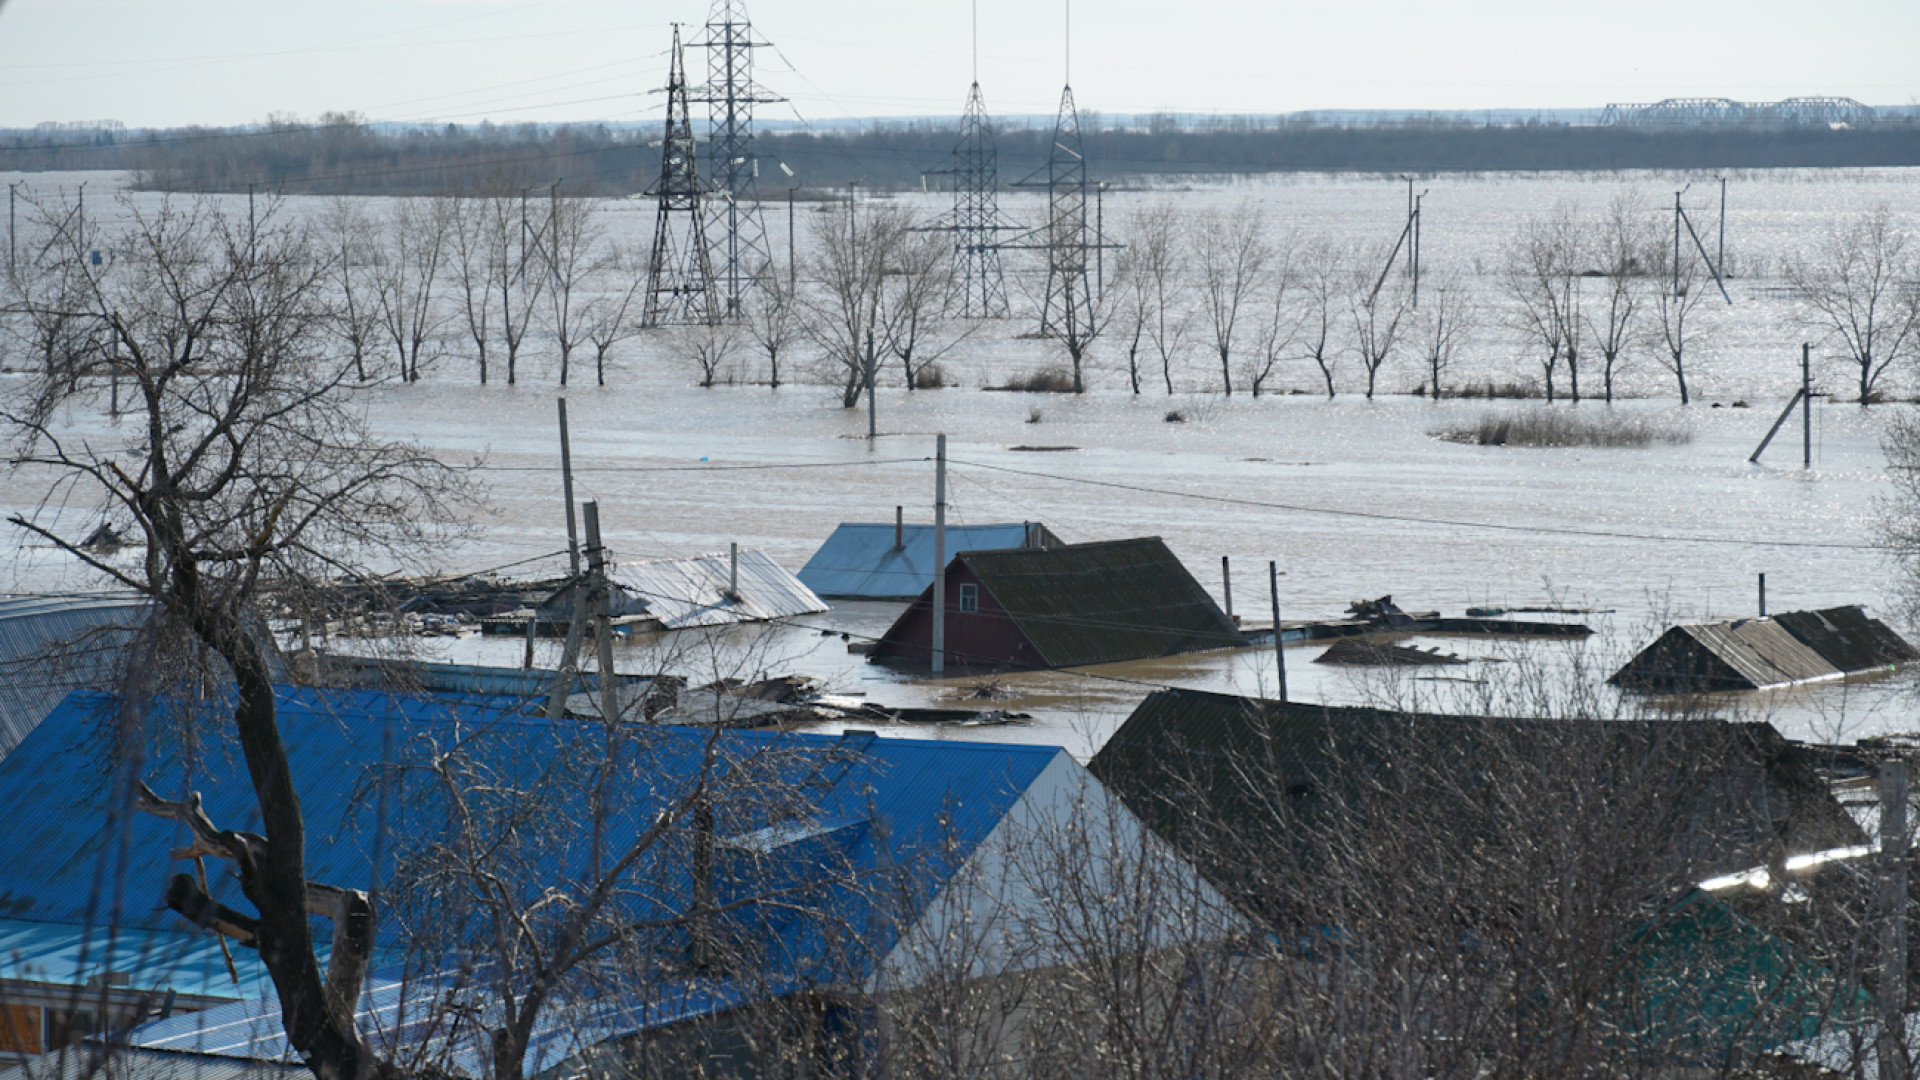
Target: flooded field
1351,498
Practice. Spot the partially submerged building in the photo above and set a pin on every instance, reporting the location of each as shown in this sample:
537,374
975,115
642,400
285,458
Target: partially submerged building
721,589
1065,606
895,562
1752,654
1220,776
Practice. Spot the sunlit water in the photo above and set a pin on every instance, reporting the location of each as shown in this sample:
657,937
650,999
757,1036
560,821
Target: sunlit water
1653,535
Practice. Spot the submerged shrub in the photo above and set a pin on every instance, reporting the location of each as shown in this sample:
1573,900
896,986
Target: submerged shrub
1562,427
1046,381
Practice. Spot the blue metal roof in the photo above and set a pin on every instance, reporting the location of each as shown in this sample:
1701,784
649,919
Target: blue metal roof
861,560
52,645
183,959
874,806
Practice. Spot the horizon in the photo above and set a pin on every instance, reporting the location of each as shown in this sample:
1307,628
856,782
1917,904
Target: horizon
212,63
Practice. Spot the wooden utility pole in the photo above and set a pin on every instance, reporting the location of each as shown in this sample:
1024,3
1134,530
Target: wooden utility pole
1279,651
940,555
566,491
602,614
1891,1048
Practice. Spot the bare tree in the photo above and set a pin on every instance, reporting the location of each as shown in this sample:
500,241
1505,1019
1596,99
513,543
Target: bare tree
772,321
1322,289
1677,328
1377,318
711,348
516,277
609,317
916,284
250,469
1539,280
843,310
569,244
1620,250
474,256
408,279
1233,256
1861,287
353,257
1280,319
1158,255
1445,324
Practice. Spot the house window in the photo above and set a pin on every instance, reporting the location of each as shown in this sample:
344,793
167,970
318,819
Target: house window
969,599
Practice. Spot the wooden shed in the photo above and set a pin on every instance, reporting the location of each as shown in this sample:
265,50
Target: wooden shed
1066,606
1749,654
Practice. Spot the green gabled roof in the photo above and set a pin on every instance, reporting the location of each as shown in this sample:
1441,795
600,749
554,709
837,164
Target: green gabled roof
1104,602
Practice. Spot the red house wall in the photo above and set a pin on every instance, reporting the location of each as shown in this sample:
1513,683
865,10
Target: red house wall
987,638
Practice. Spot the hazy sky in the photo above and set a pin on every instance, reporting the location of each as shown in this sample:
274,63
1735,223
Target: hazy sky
165,62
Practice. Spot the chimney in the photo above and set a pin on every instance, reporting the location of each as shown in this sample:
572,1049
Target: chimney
899,527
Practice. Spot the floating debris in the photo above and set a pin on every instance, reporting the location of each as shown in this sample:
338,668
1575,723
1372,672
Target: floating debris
1379,654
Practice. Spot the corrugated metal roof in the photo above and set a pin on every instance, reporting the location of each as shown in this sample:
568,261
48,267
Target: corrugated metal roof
52,645
1847,638
1104,602
861,560
93,1061
932,802
1749,654
684,593
182,959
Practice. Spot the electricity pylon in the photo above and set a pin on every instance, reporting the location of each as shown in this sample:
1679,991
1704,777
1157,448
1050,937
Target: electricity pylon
1070,243
980,287
737,236
679,275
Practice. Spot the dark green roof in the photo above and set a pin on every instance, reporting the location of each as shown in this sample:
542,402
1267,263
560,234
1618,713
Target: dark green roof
1103,602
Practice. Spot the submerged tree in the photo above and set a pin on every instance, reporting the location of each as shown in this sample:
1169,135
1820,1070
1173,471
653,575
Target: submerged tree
247,469
1861,287
1539,280
1620,251
1233,256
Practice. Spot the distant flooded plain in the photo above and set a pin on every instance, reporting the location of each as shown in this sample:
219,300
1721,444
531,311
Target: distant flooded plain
1351,498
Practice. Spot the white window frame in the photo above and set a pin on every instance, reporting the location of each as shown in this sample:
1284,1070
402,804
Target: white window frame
969,599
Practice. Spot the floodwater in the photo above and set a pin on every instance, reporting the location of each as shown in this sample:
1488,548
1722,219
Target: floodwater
1350,498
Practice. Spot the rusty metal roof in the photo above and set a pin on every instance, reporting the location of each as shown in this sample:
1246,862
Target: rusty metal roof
1749,654
1104,602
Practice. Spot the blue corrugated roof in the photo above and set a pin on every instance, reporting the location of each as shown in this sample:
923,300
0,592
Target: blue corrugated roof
881,804
183,959
861,560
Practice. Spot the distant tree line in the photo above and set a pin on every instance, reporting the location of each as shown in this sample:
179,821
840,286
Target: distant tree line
343,155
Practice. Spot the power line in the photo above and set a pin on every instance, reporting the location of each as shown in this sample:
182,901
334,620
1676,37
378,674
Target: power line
1409,519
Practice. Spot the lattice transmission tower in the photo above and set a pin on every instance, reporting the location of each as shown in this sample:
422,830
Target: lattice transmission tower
736,233
679,275
1070,242
980,287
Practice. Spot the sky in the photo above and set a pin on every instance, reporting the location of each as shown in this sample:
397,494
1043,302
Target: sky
176,62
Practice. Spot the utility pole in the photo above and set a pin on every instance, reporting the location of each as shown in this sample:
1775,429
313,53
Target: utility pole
1892,1050
1279,651
1676,242
566,487
940,555
1806,405
1721,256
12,188
873,409
1418,205
602,614
792,267
1100,240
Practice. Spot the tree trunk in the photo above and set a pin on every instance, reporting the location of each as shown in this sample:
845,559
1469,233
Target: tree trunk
1226,373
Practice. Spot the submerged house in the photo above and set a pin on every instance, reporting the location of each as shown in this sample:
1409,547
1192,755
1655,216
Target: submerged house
721,589
802,877
1213,772
1751,654
895,562
1065,606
